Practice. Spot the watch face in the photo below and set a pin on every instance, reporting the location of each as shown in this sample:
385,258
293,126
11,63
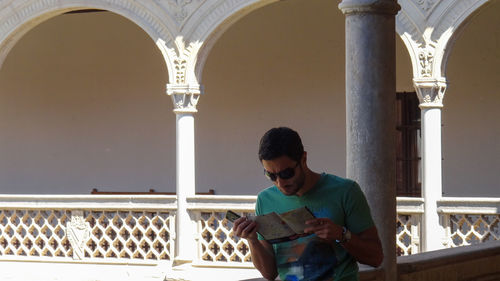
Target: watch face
347,236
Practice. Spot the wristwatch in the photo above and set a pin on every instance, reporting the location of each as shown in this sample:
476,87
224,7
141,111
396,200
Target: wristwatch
346,236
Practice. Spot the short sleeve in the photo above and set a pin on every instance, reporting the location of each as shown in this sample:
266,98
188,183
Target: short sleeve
258,212
358,217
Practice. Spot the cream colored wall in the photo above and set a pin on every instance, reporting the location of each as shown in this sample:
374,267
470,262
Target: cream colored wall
82,102
82,105
274,67
471,127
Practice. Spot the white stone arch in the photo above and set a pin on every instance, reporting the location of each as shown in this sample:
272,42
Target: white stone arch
18,17
429,29
451,27
207,24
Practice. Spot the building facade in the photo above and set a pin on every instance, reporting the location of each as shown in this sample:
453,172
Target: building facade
84,101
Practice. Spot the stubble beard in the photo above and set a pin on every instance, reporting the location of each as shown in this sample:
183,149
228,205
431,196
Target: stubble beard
297,184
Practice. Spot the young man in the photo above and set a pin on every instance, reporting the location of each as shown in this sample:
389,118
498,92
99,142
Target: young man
342,233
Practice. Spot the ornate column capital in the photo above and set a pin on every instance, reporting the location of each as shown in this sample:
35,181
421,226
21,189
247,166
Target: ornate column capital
185,97
430,91
390,7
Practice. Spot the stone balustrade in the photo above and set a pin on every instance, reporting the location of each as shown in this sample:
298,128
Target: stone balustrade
140,229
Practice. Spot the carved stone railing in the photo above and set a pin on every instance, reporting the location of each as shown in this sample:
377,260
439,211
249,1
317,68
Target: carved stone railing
217,245
140,229
92,229
408,225
469,221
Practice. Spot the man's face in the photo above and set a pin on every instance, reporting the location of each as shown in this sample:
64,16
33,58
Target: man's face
287,186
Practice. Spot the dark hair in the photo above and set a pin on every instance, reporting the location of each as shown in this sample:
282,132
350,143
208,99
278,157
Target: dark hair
279,142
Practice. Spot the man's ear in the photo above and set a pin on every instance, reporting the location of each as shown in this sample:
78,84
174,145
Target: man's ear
304,159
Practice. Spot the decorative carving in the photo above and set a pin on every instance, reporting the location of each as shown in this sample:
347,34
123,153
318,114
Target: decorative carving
180,71
78,233
26,12
426,58
222,10
430,91
179,10
426,5
184,97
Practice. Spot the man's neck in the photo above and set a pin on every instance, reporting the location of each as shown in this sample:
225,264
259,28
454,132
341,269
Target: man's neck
310,181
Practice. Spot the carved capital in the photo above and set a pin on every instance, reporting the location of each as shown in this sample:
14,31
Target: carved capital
78,233
185,97
430,91
390,7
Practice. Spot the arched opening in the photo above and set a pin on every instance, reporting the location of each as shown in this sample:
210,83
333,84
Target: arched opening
471,132
271,69
82,106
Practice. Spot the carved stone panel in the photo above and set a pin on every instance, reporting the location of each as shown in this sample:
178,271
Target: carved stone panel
426,6
78,233
179,10
426,59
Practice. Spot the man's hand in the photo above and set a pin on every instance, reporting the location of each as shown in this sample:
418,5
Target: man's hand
245,228
364,246
324,228
261,251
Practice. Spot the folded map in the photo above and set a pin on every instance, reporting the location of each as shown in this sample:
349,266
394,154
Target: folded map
276,228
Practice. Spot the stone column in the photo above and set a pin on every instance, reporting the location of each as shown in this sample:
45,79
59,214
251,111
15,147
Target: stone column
370,108
185,99
430,92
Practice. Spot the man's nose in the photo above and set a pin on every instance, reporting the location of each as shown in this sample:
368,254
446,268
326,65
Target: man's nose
280,181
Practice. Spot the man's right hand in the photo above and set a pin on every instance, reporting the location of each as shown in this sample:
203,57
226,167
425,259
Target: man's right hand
245,228
261,251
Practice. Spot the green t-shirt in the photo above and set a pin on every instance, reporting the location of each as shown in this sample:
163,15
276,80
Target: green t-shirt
311,258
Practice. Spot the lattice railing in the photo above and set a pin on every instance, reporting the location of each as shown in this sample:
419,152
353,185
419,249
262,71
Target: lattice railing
408,225
473,229
217,241
128,235
407,234
218,245
134,229
135,233
34,233
469,221
110,234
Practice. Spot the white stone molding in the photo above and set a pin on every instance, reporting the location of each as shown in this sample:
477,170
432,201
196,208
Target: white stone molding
390,7
429,29
207,24
430,91
184,97
180,10
18,17
426,5
449,26
78,233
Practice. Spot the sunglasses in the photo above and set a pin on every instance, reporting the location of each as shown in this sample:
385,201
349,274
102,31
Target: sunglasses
284,175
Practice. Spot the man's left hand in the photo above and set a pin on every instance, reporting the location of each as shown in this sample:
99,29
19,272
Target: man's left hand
324,228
